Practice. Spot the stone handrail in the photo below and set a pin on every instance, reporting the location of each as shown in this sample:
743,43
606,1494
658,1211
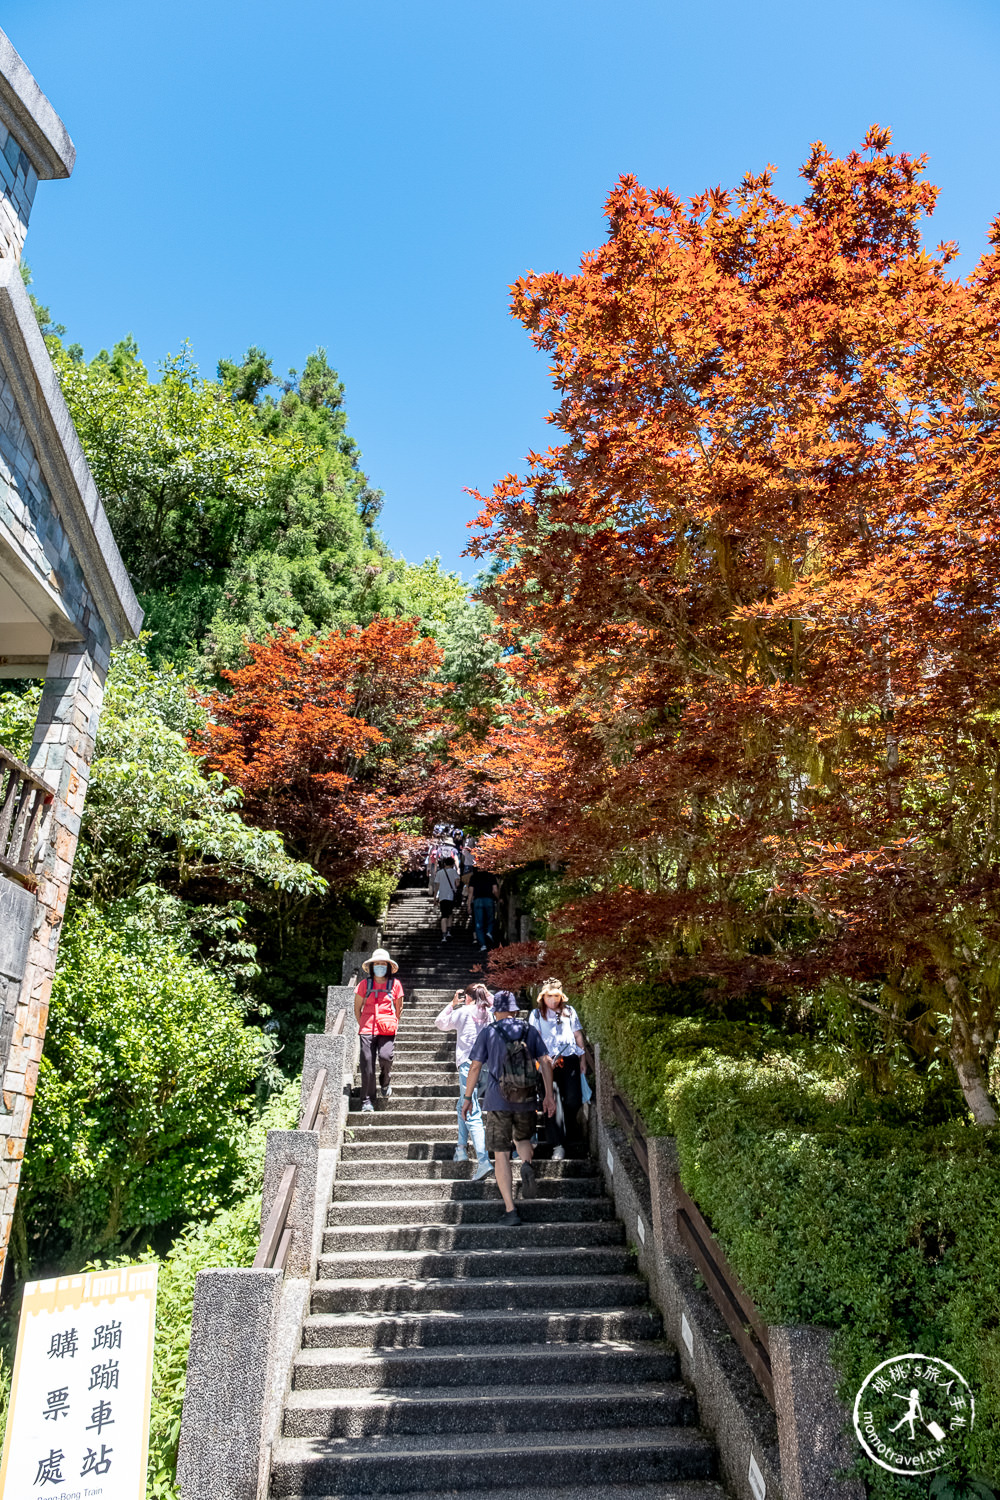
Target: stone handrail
246,1321
789,1445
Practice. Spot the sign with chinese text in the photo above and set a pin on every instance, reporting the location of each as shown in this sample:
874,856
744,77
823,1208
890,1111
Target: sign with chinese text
78,1424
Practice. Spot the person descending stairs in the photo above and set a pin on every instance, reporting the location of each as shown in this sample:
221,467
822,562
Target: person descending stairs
447,1352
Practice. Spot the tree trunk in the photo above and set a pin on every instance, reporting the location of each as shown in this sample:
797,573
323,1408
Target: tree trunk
968,1067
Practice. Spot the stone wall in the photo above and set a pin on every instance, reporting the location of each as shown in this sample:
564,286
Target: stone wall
57,554
18,180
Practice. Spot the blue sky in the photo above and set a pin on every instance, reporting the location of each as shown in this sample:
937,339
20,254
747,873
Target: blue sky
371,176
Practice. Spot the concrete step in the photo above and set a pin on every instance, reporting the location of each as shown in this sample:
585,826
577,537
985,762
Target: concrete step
489,1327
548,1365
350,1413
417,1210
376,1238
374,1131
460,1190
596,1260
409,1112
675,1489
379,1294
374,1161
303,1466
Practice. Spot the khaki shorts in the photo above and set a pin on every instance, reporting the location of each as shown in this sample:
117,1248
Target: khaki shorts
504,1127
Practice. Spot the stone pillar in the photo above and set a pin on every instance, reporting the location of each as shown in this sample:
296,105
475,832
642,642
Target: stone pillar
63,748
813,1425
329,1052
228,1381
663,1166
298,1148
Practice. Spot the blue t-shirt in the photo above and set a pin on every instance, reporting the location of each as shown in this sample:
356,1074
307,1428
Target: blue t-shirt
490,1048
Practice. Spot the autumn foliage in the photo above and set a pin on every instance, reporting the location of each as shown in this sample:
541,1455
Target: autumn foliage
327,739
761,574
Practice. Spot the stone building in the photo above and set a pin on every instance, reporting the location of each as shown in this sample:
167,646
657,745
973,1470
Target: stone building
65,601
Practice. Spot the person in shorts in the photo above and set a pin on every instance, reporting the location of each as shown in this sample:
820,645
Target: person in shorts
446,883
509,1123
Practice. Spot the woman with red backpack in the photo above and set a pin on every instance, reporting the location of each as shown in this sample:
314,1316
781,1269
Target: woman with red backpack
378,1004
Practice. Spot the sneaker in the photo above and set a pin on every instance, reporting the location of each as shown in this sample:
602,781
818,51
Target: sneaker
483,1169
482,947
368,1107
512,1219
386,1092
460,1154
529,1184
559,1153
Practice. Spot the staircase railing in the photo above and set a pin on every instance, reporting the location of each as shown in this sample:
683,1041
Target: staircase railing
23,795
276,1237
744,1322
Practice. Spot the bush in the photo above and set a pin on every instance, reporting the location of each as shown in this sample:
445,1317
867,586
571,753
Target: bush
875,1216
229,1239
141,1089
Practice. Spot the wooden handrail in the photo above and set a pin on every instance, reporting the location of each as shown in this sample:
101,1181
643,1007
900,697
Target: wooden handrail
314,1101
337,1029
275,1230
742,1318
22,798
747,1327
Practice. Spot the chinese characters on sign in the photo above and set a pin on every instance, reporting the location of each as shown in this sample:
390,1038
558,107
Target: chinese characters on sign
79,1405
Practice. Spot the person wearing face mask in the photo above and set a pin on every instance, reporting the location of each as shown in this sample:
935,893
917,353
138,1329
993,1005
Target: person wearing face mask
466,1014
378,1003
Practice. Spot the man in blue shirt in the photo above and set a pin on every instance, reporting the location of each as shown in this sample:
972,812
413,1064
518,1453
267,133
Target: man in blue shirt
508,1122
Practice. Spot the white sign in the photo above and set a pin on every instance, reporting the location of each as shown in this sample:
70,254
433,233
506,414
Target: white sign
78,1425
756,1479
686,1333
641,1227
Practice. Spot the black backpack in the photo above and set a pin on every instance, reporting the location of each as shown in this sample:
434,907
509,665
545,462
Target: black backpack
517,1080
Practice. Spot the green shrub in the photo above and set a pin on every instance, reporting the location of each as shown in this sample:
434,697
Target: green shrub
835,1208
229,1239
140,1092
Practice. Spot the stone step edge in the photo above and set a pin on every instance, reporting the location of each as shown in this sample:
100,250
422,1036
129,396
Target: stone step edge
472,1444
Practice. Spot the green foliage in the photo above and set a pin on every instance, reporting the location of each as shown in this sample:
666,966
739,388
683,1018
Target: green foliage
228,1239
141,1086
870,1214
184,473
153,815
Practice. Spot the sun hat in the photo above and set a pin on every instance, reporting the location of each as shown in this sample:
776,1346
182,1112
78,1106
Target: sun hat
380,957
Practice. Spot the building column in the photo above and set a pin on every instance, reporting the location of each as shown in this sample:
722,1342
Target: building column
61,753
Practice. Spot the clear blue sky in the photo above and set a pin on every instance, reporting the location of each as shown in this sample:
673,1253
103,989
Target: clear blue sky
371,176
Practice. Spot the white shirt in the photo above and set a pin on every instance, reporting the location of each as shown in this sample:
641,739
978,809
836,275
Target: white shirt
466,1023
558,1032
446,884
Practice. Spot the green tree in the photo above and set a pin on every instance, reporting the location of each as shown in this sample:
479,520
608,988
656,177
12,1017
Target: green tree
141,1086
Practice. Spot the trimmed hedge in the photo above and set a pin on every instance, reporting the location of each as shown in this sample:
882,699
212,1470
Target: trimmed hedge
877,1217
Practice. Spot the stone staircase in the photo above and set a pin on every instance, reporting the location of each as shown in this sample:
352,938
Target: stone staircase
445,1353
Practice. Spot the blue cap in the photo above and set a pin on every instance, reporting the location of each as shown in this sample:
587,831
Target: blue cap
505,1000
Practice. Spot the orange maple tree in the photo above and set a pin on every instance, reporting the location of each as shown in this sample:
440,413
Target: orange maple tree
328,737
762,574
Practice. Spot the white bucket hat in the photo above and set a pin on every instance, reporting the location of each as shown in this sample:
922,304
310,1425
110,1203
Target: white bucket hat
380,957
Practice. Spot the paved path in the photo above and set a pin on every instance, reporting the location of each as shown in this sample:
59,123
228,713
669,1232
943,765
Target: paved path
447,1354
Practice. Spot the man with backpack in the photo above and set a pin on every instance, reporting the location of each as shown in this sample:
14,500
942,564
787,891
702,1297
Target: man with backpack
511,1049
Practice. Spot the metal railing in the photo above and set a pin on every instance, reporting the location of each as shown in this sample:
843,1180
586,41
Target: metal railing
744,1322
276,1236
23,795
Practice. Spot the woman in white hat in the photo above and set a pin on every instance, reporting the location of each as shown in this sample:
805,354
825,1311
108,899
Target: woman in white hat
378,1003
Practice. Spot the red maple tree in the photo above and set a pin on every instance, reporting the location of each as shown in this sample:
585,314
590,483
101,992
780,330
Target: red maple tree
762,575
328,737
